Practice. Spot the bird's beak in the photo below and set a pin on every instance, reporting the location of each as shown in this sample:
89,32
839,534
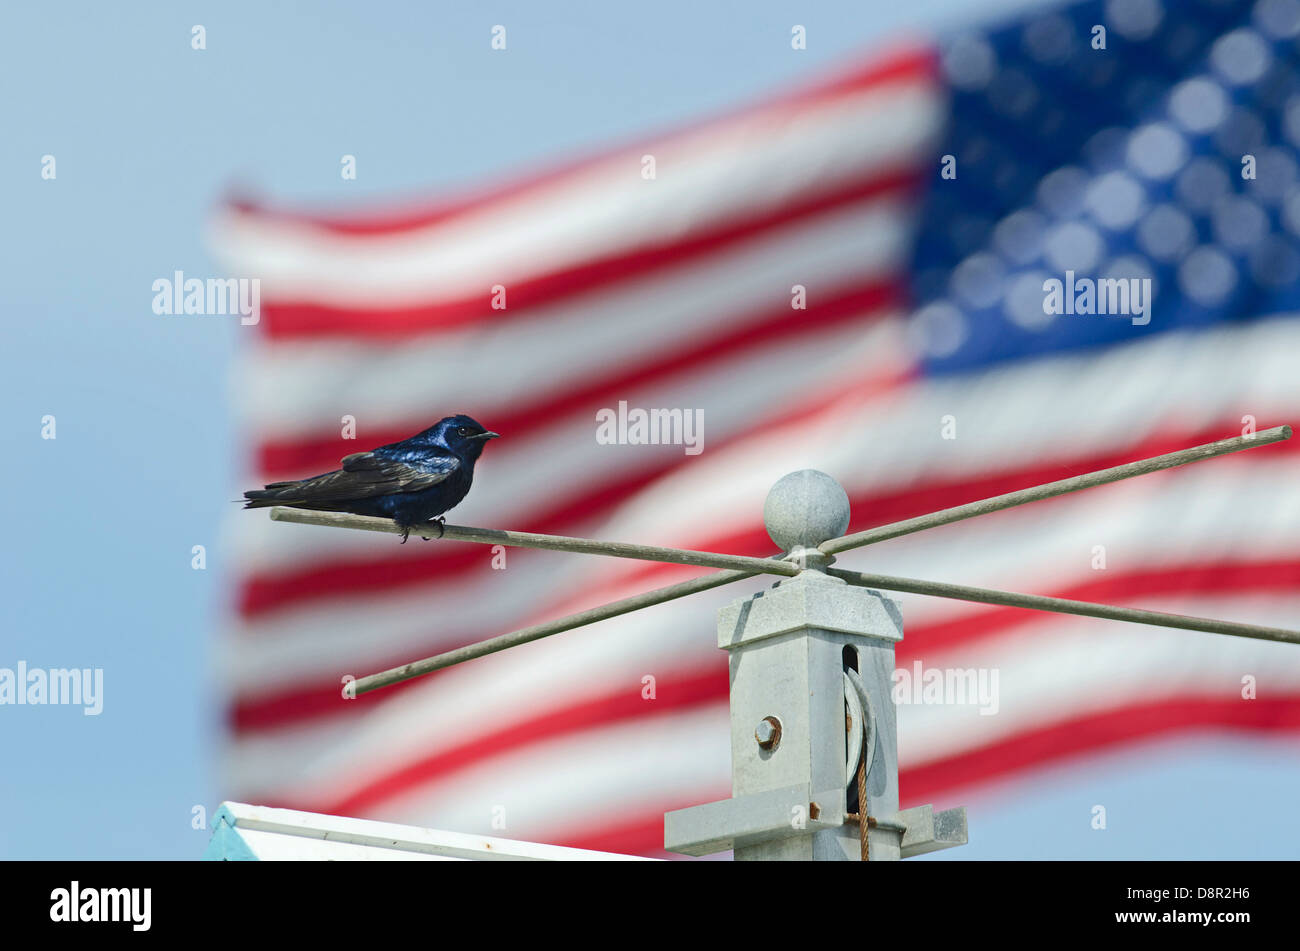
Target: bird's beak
486,435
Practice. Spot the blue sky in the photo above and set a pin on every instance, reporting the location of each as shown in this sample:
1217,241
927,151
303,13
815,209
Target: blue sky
148,134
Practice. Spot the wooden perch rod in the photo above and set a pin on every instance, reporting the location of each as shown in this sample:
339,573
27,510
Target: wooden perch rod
537,631
1037,602
588,546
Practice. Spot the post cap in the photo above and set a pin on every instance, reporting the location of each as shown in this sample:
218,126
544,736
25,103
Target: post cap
804,509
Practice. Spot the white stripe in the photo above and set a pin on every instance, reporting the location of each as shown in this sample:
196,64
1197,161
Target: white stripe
479,698
1203,514
286,389
572,783
1062,668
266,766
751,164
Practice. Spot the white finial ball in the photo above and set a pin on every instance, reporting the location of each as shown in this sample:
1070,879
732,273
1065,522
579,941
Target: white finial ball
804,509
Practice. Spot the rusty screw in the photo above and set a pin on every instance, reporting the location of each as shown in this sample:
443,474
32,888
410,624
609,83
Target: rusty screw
768,733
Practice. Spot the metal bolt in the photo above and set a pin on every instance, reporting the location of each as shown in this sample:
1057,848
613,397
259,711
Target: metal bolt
768,733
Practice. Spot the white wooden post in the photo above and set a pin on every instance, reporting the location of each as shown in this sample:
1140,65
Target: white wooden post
801,655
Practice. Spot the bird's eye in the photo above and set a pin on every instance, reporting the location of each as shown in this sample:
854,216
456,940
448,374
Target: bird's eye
463,431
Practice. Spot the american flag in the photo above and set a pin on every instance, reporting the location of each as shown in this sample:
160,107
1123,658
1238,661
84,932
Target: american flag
915,204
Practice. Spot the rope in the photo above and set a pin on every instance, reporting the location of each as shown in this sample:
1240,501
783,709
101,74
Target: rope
863,827
865,822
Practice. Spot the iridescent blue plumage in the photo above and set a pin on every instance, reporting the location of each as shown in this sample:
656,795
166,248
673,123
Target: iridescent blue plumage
412,482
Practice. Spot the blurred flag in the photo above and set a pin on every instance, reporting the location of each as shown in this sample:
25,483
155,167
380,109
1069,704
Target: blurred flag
851,277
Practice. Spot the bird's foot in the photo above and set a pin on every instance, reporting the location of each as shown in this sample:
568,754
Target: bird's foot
406,530
440,521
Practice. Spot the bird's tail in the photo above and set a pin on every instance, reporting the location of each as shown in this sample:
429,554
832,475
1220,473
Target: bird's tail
276,493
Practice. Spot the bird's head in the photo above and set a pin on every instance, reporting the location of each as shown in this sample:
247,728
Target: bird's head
461,434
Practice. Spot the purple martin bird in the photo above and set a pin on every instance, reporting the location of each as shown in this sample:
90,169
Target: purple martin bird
411,482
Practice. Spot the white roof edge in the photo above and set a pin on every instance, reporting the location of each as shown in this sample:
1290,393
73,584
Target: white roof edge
270,833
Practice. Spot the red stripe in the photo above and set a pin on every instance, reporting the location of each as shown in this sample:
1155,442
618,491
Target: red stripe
320,697
266,593
909,64
675,691
515,419
1096,731
526,298
1108,587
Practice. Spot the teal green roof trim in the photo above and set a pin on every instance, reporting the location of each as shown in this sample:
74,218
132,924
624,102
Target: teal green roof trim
226,844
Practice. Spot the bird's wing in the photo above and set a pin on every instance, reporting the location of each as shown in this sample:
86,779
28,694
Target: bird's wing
366,474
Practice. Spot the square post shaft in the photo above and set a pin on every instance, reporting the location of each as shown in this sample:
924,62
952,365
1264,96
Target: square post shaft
788,648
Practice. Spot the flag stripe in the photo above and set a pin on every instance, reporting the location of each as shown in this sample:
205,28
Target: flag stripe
289,319
942,779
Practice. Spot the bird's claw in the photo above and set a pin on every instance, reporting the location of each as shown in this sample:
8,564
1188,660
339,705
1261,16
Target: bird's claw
440,522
